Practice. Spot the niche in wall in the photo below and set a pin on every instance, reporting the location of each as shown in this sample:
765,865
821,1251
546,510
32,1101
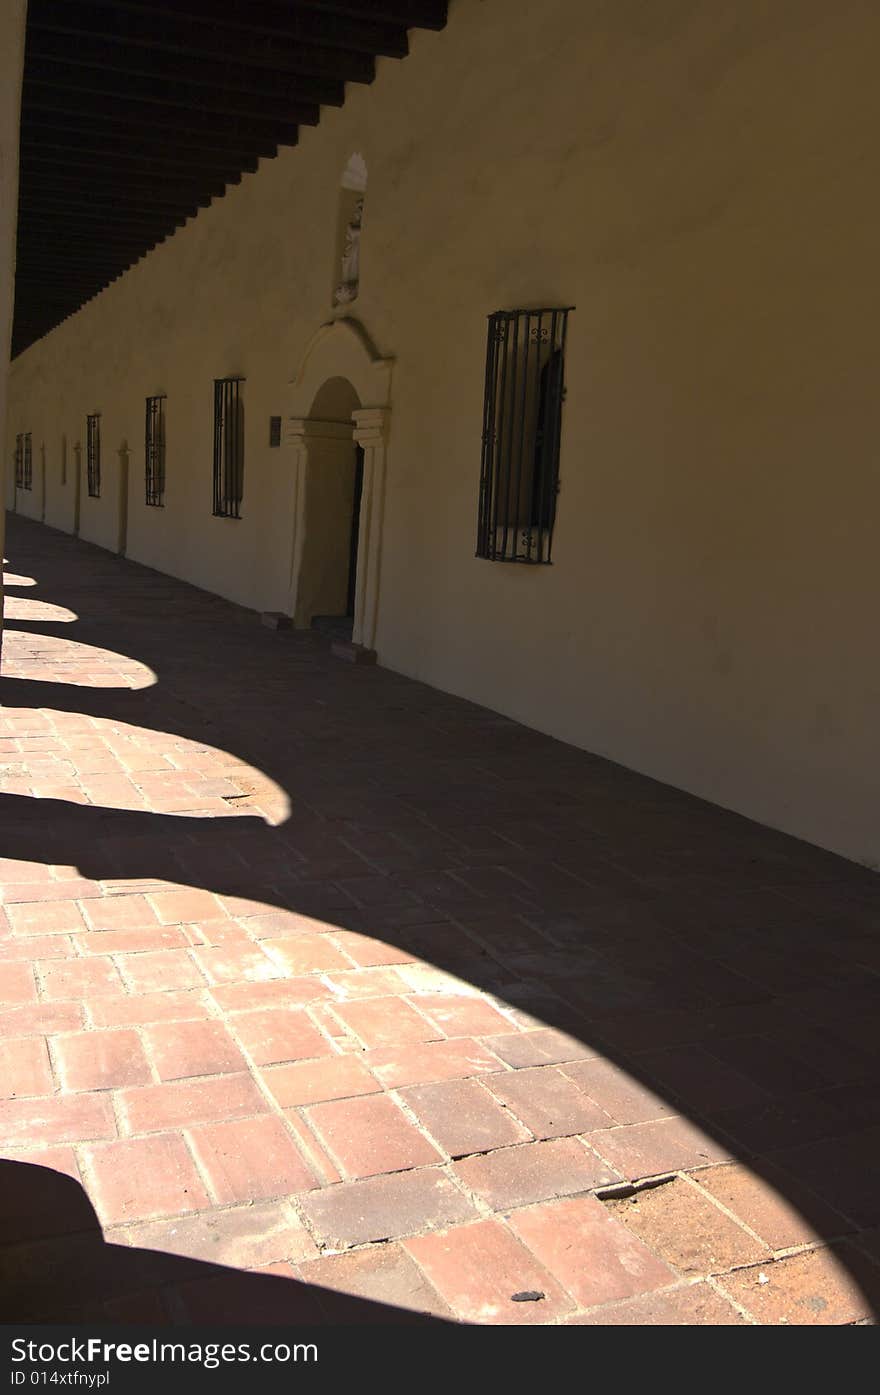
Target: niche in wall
349,221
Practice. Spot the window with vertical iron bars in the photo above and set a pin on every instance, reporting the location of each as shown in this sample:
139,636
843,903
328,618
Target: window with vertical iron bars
93,454
154,450
228,447
522,416
23,461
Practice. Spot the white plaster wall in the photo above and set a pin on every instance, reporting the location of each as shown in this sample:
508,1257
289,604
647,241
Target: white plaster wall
698,180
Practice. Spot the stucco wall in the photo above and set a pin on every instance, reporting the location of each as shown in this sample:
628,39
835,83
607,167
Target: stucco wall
698,180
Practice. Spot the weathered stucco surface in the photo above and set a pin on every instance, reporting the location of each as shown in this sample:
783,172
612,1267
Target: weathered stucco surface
698,181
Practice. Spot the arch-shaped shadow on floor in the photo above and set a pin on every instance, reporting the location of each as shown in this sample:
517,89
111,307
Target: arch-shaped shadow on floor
55,1266
731,969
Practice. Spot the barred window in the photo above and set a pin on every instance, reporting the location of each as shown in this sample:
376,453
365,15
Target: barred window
24,472
522,416
154,450
93,454
228,447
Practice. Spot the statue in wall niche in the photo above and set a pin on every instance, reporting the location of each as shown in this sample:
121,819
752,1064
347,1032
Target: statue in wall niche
347,289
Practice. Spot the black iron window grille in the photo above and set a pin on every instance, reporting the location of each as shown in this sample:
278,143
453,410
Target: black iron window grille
154,450
93,454
522,416
274,432
24,471
228,447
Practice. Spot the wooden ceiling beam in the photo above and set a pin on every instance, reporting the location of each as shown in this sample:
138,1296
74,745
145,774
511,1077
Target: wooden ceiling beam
57,134
175,96
198,39
104,162
177,72
279,18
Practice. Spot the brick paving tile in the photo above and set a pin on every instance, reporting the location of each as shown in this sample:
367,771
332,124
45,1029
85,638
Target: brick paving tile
321,1164
463,1117
311,1082
45,918
274,1035
101,1060
42,892
26,1068
55,1119
57,1159
237,963
381,981
478,1268
533,1172
158,971
544,1047
306,954
179,1103
385,1207
547,1102
173,907
118,913
694,1305
370,1135
595,1257
783,1215
687,1230
281,992
385,1275
134,1010
621,1095
180,1049
385,1022
135,1178
131,941
87,979
368,952
40,1019
250,1159
248,1298
815,1287
245,1236
649,1150
458,1015
17,984
420,1063
835,1169
32,947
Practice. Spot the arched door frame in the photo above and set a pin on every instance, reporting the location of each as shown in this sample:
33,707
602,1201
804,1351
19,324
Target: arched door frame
341,349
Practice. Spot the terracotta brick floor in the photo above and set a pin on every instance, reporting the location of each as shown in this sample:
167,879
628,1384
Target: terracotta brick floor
328,996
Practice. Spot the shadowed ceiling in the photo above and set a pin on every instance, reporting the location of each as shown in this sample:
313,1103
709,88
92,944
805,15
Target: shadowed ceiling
136,113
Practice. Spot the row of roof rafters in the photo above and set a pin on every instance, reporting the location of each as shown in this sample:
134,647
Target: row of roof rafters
136,113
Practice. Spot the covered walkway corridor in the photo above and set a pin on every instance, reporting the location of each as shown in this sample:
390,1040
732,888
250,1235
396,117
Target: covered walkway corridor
328,996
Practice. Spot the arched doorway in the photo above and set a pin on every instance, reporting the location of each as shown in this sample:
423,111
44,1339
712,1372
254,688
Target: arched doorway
338,427
331,501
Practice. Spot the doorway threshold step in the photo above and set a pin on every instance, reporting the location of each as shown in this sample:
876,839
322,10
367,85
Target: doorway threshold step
352,653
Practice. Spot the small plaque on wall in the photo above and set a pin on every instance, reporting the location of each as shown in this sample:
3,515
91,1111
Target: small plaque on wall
274,431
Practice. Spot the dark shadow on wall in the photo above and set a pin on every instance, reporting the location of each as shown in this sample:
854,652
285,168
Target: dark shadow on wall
733,970
55,1266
